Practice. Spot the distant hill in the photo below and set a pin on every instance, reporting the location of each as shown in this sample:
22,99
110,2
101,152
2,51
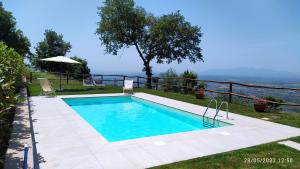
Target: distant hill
251,72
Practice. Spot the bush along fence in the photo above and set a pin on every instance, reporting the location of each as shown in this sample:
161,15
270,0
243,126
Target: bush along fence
184,85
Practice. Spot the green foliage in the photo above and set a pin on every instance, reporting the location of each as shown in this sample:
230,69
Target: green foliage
11,69
285,157
189,78
78,69
121,23
51,46
169,77
272,107
12,36
166,38
201,85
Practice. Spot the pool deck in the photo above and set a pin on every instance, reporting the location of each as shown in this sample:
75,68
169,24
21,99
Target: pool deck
64,140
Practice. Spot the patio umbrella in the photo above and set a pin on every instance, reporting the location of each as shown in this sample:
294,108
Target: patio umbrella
60,59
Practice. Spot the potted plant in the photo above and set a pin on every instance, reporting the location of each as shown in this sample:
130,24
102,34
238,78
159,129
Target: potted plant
184,90
165,87
259,104
272,106
175,88
190,90
199,91
189,80
173,85
168,78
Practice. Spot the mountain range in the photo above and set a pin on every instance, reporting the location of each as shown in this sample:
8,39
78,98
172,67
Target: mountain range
251,72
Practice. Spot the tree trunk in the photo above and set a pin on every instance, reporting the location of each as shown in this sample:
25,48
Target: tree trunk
148,71
147,68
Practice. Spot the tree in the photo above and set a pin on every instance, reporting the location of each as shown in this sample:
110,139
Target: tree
52,45
189,78
169,77
12,36
77,70
166,38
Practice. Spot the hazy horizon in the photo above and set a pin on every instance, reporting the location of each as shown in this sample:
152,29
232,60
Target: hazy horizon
236,34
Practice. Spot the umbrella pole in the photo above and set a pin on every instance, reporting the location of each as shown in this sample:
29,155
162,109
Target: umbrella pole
60,81
60,76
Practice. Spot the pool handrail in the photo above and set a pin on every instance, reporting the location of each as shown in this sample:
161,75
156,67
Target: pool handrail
218,110
208,105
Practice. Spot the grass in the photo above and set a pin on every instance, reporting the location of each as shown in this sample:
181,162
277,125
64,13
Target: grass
291,119
75,87
234,159
271,155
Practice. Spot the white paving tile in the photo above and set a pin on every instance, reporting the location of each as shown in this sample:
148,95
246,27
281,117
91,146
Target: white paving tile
78,162
139,157
114,160
291,144
65,140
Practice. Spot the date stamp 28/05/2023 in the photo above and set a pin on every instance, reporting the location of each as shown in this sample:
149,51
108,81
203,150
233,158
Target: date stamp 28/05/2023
268,160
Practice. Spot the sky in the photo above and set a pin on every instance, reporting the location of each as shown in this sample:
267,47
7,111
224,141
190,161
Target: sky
260,34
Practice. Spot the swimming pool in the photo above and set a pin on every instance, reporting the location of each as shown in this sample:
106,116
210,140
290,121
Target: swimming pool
119,118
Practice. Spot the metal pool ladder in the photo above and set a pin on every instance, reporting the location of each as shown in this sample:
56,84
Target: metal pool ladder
218,110
206,122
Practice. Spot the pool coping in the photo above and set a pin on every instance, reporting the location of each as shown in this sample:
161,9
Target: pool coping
64,138
151,102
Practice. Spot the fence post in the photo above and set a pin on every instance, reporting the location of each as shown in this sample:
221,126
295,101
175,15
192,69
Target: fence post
124,77
138,81
230,91
30,77
67,78
156,85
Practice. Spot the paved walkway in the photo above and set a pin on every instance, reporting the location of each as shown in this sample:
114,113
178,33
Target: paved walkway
291,144
20,136
65,140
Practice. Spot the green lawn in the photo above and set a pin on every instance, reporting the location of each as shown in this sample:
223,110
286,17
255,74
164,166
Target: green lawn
73,86
234,159
291,119
271,155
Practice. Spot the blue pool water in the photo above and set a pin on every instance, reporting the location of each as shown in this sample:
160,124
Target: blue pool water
124,117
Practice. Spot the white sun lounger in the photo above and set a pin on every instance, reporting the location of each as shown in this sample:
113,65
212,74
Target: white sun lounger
46,88
98,83
128,85
88,82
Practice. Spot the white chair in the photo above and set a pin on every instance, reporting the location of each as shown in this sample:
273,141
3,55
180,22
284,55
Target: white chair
128,85
98,83
88,82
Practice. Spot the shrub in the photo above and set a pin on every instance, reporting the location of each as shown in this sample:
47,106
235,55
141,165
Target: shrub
169,77
11,70
201,85
273,106
77,70
189,78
